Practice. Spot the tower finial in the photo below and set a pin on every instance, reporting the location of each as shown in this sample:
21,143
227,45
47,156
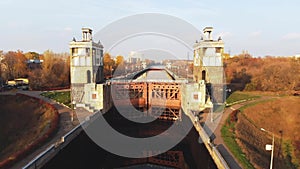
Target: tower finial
87,34
209,31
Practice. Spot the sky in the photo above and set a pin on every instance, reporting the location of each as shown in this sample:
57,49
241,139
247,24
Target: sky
261,27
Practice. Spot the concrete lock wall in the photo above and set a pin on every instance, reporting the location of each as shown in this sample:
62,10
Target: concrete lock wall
193,96
94,95
194,100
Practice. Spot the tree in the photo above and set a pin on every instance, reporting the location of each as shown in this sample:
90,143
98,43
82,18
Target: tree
120,65
1,58
264,74
119,60
32,55
15,64
108,65
54,72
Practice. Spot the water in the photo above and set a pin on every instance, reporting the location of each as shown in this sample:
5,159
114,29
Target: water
83,153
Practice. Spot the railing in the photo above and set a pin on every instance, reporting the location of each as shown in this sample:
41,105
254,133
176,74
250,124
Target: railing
39,161
220,157
149,80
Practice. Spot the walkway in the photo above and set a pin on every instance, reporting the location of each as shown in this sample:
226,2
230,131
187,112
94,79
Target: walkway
227,155
65,124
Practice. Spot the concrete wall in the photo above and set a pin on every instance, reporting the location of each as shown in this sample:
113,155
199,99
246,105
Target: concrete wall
79,74
213,151
191,104
93,95
107,98
193,96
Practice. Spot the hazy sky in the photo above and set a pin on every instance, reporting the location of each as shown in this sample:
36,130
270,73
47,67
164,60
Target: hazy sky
263,27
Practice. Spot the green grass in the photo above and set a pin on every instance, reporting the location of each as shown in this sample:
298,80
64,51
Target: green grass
61,97
288,148
239,96
228,135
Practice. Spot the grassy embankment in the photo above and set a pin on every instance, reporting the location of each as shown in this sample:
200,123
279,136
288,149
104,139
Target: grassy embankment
61,97
229,127
242,134
25,123
238,97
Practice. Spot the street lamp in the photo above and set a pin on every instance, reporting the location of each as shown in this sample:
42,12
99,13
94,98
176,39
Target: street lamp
187,72
268,146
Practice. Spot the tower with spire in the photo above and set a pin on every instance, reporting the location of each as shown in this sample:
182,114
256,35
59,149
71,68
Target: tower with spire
208,63
86,64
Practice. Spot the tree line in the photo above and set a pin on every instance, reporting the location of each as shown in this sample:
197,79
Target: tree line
244,72
44,71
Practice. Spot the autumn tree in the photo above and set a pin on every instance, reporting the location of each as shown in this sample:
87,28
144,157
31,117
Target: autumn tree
120,65
109,64
119,60
55,72
32,55
243,72
1,66
14,64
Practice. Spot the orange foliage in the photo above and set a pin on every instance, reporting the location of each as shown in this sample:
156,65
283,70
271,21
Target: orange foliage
263,74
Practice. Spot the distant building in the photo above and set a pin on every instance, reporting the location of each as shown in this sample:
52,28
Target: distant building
168,65
134,57
144,64
34,63
37,61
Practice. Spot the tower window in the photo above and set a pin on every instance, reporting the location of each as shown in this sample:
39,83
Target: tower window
94,52
87,51
101,61
204,75
76,61
89,76
74,51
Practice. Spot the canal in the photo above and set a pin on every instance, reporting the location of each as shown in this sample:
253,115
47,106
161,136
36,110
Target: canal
83,153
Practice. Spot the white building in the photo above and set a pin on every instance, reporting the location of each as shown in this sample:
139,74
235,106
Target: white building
208,58
208,64
87,72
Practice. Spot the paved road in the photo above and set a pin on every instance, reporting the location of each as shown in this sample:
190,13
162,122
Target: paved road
65,124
